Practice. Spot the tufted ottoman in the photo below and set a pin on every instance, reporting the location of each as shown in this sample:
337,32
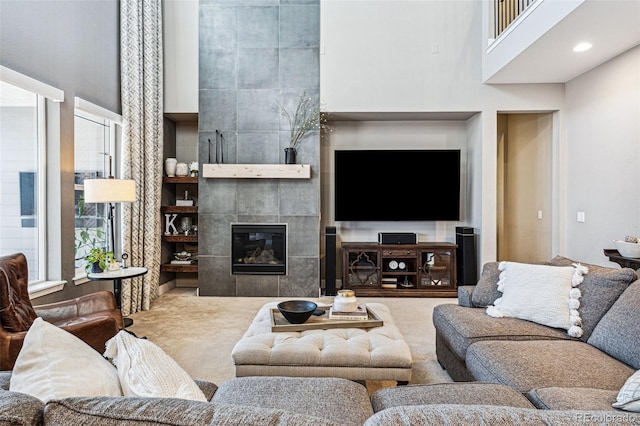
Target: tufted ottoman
378,353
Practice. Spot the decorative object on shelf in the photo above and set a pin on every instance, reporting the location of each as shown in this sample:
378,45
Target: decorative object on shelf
182,169
125,256
182,258
98,260
185,224
170,166
183,255
630,247
169,226
345,301
290,156
218,149
186,201
193,169
304,121
297,311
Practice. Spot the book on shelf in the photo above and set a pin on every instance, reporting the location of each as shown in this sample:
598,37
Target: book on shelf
184,203
392,280
182,262
359,314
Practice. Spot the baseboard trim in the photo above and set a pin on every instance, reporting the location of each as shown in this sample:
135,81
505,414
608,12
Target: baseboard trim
168,286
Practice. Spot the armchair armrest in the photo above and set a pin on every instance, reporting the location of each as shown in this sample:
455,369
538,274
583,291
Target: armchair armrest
93,331
80,306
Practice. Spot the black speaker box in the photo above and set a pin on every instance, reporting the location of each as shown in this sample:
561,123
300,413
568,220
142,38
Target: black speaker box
466,255
397,238
330,261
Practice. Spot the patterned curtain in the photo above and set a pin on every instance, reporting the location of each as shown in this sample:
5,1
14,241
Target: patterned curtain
142,113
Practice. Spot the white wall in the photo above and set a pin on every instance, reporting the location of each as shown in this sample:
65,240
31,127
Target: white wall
426,56
180,38
398,135
603,157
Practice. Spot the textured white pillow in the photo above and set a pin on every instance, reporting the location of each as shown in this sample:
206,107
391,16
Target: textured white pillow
629,396
54,363
146,370
540,293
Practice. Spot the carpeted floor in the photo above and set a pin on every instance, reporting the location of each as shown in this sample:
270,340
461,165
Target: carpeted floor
200,332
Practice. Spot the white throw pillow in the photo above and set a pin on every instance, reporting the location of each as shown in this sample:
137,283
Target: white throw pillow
146,370
629,396
540,293
54,363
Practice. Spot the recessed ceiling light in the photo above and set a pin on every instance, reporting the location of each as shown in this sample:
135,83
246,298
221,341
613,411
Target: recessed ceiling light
581,47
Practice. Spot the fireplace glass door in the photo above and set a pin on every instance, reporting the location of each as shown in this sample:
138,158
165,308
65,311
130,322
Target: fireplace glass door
259,249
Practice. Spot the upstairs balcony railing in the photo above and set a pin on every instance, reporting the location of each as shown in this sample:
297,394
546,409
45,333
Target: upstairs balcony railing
507,11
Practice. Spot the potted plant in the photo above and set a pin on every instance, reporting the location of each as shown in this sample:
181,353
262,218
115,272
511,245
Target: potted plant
305,121
98,259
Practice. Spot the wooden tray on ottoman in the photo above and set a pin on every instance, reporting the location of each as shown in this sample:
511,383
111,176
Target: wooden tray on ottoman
322,322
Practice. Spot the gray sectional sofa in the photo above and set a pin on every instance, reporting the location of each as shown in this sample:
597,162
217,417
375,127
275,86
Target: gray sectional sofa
555,371
303,401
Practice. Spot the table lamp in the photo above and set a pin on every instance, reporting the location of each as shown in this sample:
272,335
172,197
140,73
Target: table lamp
110,191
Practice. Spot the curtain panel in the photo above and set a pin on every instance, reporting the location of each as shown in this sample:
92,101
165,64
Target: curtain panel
142,113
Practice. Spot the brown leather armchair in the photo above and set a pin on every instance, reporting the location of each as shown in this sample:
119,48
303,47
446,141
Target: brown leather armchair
94,318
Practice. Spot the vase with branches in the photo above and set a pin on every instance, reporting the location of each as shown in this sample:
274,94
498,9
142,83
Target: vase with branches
304,121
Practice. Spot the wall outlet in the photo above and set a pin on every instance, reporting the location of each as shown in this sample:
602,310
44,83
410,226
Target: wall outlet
580,216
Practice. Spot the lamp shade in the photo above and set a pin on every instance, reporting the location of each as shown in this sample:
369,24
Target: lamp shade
109,190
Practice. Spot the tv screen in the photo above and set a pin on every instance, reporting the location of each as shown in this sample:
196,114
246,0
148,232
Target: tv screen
397,185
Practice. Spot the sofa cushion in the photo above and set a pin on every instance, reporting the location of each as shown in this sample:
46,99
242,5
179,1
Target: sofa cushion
207,388
456,415
145,369
527,365
110,411
600,289
20,409
333,399
561,398
486,291
449,393
628,397
618,332
5,380
460,327
54,363
465,293
540,293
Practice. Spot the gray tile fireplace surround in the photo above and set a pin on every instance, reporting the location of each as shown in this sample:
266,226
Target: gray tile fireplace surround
252,54
262,195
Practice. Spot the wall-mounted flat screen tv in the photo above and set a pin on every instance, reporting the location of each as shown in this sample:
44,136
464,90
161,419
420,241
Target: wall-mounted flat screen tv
397,185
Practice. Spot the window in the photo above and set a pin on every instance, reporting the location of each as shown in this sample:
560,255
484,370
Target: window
96,133
23,148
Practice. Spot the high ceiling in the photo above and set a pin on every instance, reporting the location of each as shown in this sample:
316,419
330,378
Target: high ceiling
611,26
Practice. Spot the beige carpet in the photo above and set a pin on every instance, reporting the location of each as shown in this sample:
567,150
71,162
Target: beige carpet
200,332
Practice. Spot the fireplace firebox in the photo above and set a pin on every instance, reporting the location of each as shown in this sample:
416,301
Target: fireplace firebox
259,249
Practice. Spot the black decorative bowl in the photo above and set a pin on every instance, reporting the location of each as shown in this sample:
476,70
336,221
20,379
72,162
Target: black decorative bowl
297,311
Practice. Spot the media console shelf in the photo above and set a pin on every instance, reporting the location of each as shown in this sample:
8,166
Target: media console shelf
400,270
